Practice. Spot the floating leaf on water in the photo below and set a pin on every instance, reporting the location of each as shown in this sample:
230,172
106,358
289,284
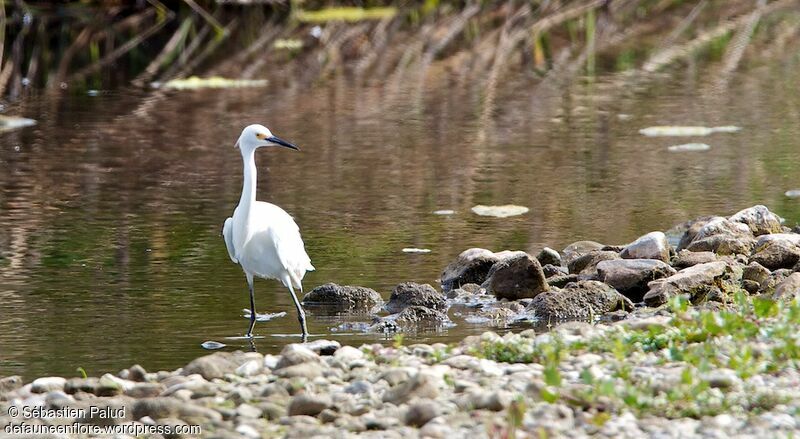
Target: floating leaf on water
211,345
686,131
287,44
794,193
416,250
8,123
727,129
500,211
689,147
351,14
444,212
263,317
195,82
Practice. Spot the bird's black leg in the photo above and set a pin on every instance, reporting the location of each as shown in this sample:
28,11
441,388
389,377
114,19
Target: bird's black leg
301,315
252,306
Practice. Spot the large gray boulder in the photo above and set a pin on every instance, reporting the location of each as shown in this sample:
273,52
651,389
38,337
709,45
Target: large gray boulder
698,281
470,267
719,235
516,276
631,276
777,254
653,245
759,219
578,300
343,298
413,294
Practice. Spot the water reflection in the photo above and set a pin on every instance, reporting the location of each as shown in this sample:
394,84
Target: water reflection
111,207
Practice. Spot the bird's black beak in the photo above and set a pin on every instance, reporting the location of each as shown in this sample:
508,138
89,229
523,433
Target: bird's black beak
278,141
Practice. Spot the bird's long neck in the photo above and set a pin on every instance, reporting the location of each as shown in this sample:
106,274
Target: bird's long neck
249,184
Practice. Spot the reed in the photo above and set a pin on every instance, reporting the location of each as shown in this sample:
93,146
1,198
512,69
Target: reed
62,45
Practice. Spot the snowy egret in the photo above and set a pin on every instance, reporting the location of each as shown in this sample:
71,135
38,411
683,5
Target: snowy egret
262,237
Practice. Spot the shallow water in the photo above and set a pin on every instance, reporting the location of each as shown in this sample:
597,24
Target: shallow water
111,207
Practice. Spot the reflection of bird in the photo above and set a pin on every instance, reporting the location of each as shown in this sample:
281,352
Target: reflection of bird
262,237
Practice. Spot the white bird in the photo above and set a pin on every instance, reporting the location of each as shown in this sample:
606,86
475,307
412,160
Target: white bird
262,237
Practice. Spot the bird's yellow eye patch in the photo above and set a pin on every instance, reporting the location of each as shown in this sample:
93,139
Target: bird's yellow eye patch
261,136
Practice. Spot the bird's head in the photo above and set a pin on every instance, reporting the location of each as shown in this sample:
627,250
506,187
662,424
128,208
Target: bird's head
255,136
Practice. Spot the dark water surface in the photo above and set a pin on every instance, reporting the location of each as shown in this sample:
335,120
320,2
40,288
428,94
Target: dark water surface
111,207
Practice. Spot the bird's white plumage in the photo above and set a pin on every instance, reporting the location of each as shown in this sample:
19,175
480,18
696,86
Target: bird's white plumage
270,245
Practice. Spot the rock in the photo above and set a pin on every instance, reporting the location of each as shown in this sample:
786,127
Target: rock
169,407
348,354
653,245
552,270
724,245
145,390
767,286
548,256
323,347
419,314
562,281
755,272
249,368
212,366
413,294
751,286
790,238
722,378
722,226
75,385
308,405
420,412
248,411
578,300
478,399
776,254
759,219
787,289
47,384
421,385
304,370
691,229
343,298
694,281
631,276
296,353
517,276
10,383
471,266
721,236
587,264
578,249
686,258
240,395
110,385
137,373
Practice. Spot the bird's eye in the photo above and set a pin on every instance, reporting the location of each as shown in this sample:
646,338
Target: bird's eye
260,136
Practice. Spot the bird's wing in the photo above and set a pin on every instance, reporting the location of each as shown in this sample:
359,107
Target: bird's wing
227,234
288,244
